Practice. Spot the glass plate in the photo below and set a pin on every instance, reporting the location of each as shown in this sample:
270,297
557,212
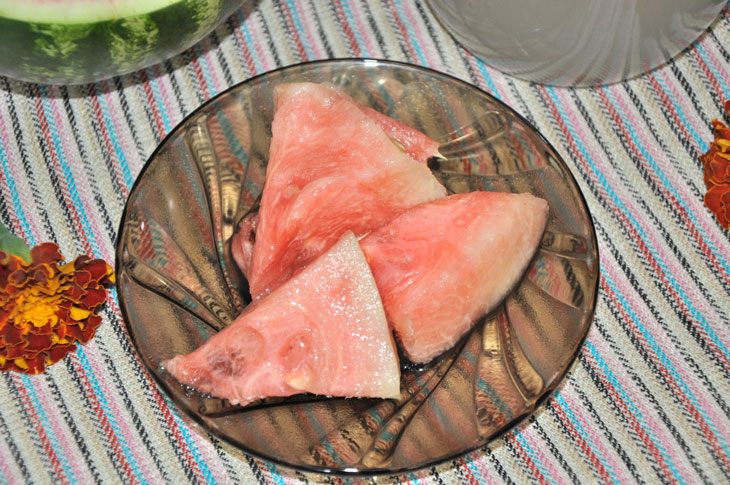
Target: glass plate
178,284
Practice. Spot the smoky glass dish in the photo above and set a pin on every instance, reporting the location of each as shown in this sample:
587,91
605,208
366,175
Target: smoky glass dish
178,284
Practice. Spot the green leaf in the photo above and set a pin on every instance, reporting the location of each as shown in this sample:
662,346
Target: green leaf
12,244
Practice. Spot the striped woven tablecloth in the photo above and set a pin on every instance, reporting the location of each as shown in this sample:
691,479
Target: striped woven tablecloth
649,397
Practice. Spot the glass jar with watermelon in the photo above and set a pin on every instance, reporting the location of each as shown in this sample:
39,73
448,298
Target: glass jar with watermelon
79,41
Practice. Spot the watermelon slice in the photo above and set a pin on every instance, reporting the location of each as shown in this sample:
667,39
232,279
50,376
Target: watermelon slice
243,241
441,265
324,332
416,144
75,41
331,168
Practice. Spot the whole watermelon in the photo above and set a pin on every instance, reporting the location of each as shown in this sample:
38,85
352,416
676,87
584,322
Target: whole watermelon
78,41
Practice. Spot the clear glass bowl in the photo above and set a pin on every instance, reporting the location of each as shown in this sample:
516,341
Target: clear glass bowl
178,284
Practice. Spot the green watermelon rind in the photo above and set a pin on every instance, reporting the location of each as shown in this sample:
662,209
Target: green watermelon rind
70,53
85,11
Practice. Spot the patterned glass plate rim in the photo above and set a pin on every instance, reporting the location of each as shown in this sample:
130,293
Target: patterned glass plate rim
177,283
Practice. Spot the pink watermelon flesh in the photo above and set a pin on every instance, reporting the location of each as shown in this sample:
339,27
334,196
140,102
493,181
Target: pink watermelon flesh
416,144
324,332
441,265
331,168
243,241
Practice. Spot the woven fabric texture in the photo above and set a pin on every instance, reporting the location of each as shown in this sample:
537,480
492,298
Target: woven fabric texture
648,398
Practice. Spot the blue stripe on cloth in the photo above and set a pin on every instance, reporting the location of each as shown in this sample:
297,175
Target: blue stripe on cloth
533,456
15,197
68,175
99,393
39,410
250,41
411,33
484,73
616,384
576,424
665,361
628,214
155,88
300,29
699,48
355,30
121,156
697,314
205,70
274,473
187,437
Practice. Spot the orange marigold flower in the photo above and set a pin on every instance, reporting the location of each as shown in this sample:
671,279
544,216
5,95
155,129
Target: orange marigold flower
717,170
717,200
716,162
45,307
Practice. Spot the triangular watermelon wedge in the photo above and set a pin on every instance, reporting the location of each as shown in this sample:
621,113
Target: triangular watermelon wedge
415,143
441,265
331,168
323,331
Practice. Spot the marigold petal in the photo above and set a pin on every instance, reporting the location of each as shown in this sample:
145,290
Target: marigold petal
64,313
717,200
94,297
97,268
20,362
77,313
45,253
717,171
59,352
84,332
82,278
35,364
37,343
75,293
15,351
12,335
44,329
721,130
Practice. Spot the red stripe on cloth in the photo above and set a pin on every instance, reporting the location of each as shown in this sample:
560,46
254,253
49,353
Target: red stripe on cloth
674,203
245,50
536,473
71,209
93,97
467,472
582,443
103,420
708,74
339,10
202,83
624,220
625,412
669,379
47,447
152,103
406,37
294,31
